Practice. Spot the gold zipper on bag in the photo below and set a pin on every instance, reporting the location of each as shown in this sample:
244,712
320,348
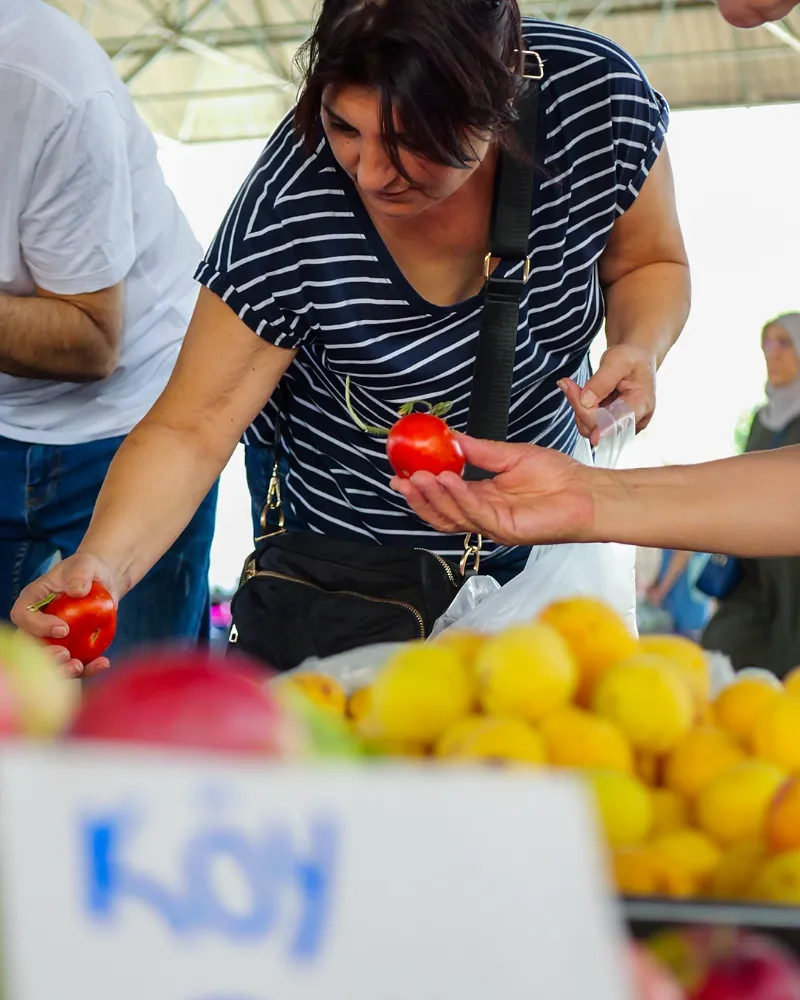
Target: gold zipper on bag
444,564
346,593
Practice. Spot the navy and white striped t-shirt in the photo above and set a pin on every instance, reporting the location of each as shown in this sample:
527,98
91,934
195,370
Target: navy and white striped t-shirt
300,262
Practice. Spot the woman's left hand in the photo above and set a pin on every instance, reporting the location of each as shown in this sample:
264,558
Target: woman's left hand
625,372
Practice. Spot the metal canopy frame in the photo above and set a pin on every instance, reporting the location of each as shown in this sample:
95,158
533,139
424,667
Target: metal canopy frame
206,70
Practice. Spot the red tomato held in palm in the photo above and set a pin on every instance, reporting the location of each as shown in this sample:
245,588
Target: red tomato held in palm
422,442
92,622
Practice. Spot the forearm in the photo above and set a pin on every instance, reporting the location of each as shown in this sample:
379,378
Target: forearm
648,308
223,377
743,506
156,482
47,338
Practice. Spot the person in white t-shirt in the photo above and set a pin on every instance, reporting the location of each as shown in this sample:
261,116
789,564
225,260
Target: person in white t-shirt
96,292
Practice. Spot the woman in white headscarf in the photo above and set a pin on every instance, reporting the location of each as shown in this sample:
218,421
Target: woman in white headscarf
759,623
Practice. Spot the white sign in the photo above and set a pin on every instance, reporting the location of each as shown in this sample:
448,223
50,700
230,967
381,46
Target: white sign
163,877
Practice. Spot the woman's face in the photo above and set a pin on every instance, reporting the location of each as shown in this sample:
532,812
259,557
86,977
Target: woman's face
783,365
351,119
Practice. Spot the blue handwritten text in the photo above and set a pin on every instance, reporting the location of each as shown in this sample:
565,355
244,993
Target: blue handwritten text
288,886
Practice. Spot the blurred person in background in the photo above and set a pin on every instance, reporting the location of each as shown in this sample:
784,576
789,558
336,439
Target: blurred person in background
674,592
357,249
96,292
758,623
647,565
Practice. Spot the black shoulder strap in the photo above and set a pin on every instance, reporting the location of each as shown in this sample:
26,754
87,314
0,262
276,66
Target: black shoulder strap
279,415
511,217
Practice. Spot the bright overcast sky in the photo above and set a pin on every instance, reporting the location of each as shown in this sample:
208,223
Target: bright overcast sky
737,183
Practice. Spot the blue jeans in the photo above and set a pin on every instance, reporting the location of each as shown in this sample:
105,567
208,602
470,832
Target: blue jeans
47,495
259,462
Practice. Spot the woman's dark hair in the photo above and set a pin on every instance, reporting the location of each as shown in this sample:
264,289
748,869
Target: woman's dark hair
446,68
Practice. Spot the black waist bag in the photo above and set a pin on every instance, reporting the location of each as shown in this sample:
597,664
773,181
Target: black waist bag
303,594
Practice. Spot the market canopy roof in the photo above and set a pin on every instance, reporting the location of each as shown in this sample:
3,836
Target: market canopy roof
209,70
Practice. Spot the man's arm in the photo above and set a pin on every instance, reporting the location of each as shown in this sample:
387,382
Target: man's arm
67,338
743,506
78,240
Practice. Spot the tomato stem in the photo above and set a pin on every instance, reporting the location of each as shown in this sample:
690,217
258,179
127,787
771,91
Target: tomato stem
381,431
41,604
438,410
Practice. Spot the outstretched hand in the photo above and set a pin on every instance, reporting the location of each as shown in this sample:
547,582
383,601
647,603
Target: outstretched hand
72,576
537,496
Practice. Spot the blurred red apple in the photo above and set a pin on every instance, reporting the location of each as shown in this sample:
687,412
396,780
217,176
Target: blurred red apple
186,699
756,969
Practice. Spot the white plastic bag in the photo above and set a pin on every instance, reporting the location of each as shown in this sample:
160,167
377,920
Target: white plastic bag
604,570
353,669
720,670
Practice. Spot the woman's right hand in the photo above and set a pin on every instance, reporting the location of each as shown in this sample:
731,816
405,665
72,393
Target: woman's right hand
72,576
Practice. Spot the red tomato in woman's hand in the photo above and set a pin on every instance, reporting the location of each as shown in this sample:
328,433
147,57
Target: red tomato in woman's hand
92,622
422,442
